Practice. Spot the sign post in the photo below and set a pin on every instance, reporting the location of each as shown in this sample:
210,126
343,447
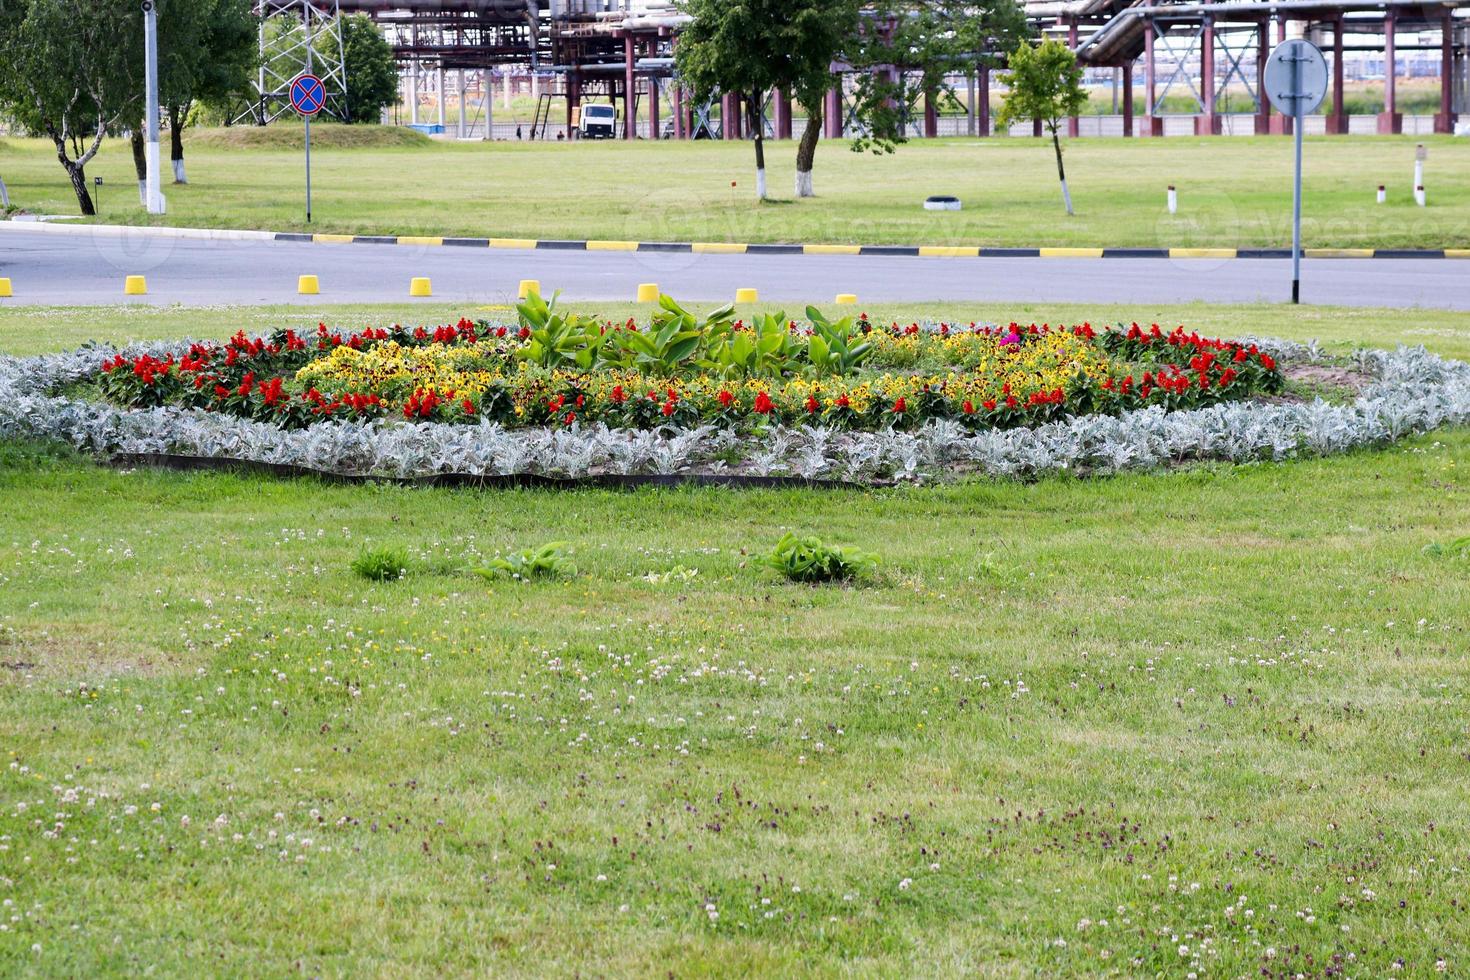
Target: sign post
308,96
1296,81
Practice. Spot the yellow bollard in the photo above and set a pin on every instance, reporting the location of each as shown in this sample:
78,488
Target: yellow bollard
5,292
648,292
135,286
846,299
528,286
308,285
747,296
420,286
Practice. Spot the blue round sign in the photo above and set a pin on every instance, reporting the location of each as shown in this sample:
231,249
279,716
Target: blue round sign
308,94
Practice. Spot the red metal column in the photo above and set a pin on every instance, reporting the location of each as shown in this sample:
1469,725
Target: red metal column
1208,124
931,117
729,117
1280,124
1390,120
983,98
1128,99
677,98
630,102
833,114
1444,120
1337,123
1263,101
574,103
1073,123
783,115
1153,125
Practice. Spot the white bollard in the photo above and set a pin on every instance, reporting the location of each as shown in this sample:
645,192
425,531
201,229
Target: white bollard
1419,195
1173,199
1382,194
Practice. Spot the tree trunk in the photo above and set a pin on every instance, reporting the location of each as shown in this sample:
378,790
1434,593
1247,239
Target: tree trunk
78,175
140,163
758,130
176,142
1061,171
806,151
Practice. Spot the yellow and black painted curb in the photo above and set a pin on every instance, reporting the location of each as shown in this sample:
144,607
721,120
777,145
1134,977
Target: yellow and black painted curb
917,251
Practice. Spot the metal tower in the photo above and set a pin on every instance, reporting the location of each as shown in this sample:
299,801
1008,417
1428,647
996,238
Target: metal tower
297,36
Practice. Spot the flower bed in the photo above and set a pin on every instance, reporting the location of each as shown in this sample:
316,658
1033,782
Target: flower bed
676,370
55,397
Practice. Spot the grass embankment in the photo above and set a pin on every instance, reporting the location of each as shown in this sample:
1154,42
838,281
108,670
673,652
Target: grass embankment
1209,720
1232,191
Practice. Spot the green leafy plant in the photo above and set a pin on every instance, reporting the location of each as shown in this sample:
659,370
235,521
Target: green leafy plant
1458,548
764,349
674,338
835,348
382,564
557,340
809,559
547,561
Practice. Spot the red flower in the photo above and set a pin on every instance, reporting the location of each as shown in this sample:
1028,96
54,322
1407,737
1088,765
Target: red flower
842,401
668,409
900,406
812,405
989,404
726,399
763,404
968,407
617,396
468,406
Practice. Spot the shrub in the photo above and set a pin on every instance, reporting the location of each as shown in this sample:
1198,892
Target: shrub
808,559
547,561
383,564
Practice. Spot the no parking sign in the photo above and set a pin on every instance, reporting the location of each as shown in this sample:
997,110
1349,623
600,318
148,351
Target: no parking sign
308,97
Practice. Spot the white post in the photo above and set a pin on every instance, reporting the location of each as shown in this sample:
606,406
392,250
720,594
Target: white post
413,93
1382,194
463,122
154,192
970,107
489,102
1419,198
439,93
505,89
1173,199
535,87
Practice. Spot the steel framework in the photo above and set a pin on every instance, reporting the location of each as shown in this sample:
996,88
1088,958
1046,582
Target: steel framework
291,36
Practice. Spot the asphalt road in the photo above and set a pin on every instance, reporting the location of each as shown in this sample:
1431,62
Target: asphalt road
81,267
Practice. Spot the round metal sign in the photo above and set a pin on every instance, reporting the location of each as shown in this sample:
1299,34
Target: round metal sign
1296,77
308,94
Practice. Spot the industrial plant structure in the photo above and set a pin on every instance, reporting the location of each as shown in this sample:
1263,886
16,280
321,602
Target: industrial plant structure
567,52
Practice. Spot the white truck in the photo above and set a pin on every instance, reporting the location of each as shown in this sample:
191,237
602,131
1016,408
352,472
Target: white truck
597,121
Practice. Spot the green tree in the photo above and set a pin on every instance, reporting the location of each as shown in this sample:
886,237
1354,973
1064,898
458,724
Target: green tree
1045,83
754,46
69,70
372,75
206,49
905,50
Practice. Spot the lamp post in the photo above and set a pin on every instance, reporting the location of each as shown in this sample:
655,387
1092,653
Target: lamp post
153,193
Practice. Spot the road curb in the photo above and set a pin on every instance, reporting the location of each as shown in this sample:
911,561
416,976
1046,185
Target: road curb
742,248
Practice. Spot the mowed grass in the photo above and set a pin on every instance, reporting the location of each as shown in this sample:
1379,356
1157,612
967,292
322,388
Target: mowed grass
1233,192
1207,721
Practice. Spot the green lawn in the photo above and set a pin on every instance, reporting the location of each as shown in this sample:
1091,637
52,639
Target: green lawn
1233,191
1206,721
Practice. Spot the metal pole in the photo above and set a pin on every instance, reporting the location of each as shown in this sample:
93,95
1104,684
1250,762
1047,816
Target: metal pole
307,120
1296,190
153,193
